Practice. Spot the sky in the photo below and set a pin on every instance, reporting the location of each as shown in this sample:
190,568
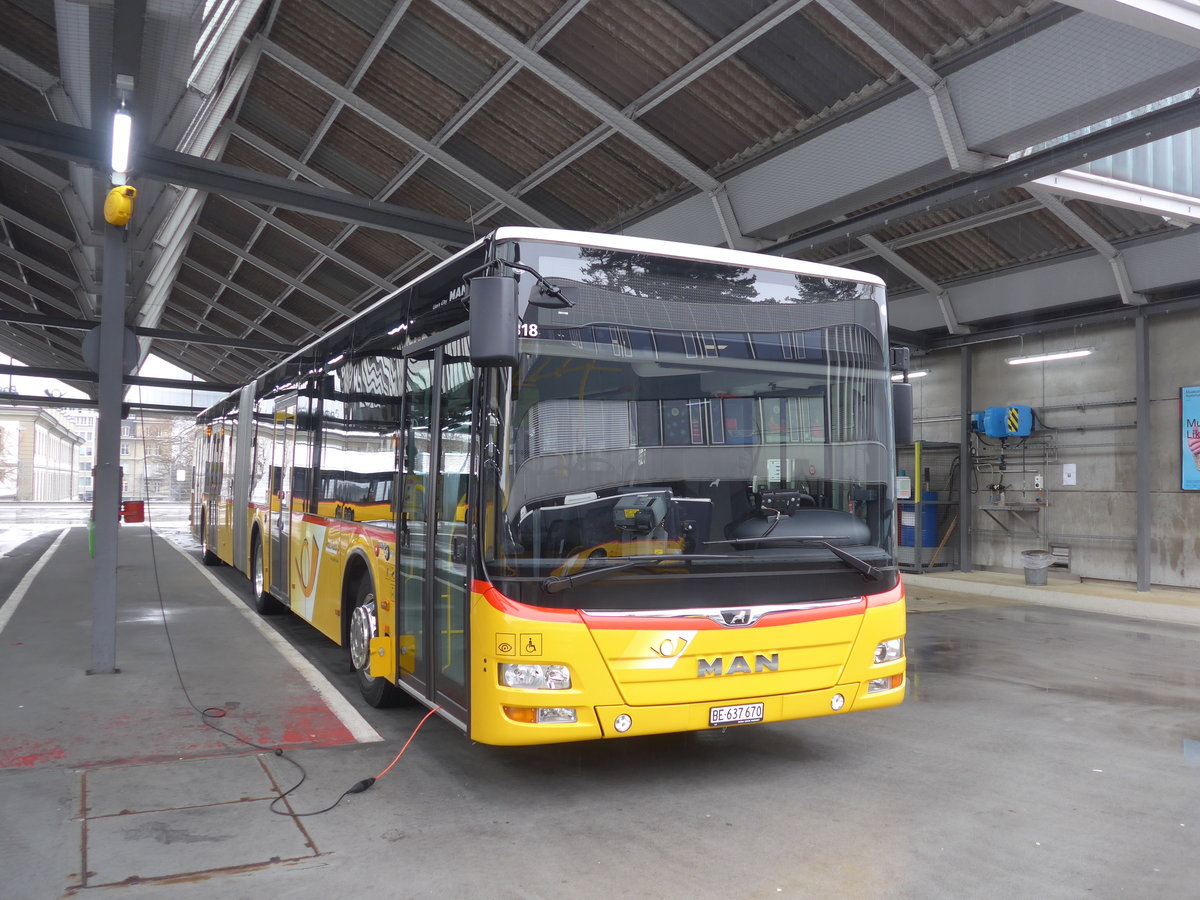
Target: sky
153,367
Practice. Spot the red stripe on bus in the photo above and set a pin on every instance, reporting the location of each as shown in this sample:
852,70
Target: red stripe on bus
851,607
521,610
703,623
895,595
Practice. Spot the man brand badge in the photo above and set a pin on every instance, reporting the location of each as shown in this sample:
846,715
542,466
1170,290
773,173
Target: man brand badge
736,618
738,666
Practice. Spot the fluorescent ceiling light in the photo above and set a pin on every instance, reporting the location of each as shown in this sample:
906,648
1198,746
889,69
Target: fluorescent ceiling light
1048,357
122,130
899,376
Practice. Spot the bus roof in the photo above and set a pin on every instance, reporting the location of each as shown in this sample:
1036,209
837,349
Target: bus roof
603,241
699,252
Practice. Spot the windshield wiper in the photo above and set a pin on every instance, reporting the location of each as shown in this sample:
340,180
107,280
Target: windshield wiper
558,583
822,541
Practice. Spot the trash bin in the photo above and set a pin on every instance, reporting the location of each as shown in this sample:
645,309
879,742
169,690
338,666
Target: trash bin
1037,564
135,511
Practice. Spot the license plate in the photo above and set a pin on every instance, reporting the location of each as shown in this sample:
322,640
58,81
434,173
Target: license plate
735,715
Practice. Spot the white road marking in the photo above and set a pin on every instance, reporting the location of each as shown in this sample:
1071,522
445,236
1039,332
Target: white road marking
358,727
18,594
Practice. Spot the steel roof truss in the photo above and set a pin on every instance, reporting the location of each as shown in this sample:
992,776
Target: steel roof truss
271,270
50,274
585,97
722,50
932,85
1129,296
52,237
745,34
937,291
70,198
252,326
969,223
1175,208
407,135
313,244
24,287
261,302
294,165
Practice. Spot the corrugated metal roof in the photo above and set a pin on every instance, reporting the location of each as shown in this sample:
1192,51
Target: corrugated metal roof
324,38
29,30
380,251
619,110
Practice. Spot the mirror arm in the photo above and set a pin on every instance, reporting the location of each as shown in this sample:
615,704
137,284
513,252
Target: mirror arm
545,288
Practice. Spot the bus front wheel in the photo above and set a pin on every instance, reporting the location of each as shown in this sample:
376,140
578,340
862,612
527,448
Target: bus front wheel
378,692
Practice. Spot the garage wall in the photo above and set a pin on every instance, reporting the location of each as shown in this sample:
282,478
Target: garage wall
1088,409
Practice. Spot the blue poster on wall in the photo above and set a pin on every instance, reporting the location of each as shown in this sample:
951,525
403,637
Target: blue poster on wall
1190,422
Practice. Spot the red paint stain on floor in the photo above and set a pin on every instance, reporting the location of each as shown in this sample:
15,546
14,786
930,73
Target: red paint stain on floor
27,753
155,735
313,723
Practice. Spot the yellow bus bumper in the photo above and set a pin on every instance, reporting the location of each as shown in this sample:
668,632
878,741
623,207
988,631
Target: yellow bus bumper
607,721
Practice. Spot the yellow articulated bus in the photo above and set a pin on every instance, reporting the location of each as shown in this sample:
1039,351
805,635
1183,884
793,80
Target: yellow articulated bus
569,486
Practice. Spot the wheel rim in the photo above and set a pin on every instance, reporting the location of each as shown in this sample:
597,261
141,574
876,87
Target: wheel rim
362,629
258,570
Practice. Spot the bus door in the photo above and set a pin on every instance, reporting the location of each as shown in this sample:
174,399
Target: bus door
433,578
281,495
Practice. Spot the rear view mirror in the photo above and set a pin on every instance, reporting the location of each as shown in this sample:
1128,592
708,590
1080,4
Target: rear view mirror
902,411
548,296
493,316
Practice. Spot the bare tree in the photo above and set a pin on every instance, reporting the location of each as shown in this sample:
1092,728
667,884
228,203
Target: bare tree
7,466
168,452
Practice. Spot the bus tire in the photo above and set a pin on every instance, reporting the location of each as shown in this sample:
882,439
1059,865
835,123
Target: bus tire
378,692
206,555
262,600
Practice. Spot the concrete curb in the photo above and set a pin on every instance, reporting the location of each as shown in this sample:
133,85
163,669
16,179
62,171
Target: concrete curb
1180,610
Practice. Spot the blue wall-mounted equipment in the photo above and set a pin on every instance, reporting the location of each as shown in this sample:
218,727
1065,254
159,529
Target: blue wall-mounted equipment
1014,420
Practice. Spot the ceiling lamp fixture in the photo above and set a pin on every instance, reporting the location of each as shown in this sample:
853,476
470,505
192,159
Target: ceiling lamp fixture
122,131
1049,357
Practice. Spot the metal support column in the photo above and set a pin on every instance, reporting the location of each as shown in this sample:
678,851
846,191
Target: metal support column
107,483
965,463
1144,520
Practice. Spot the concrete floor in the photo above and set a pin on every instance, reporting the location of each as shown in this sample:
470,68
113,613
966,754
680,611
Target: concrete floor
1042,752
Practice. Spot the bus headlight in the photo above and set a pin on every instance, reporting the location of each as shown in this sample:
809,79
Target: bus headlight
887,651
535,677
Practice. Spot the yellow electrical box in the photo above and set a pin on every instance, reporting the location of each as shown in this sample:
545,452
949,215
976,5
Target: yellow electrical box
383,663
118,205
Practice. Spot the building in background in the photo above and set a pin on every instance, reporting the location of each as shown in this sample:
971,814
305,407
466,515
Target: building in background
39,455
155,455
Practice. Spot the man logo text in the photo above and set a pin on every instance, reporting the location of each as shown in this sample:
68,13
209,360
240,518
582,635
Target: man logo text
738,666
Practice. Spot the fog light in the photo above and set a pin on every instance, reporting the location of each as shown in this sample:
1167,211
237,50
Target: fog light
875,685
622,723
887,651
561,715
535,677
536,715
837,702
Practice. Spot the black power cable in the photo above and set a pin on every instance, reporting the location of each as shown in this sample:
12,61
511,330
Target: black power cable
215,712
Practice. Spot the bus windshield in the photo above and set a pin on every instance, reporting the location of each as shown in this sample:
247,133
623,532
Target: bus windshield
688,420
